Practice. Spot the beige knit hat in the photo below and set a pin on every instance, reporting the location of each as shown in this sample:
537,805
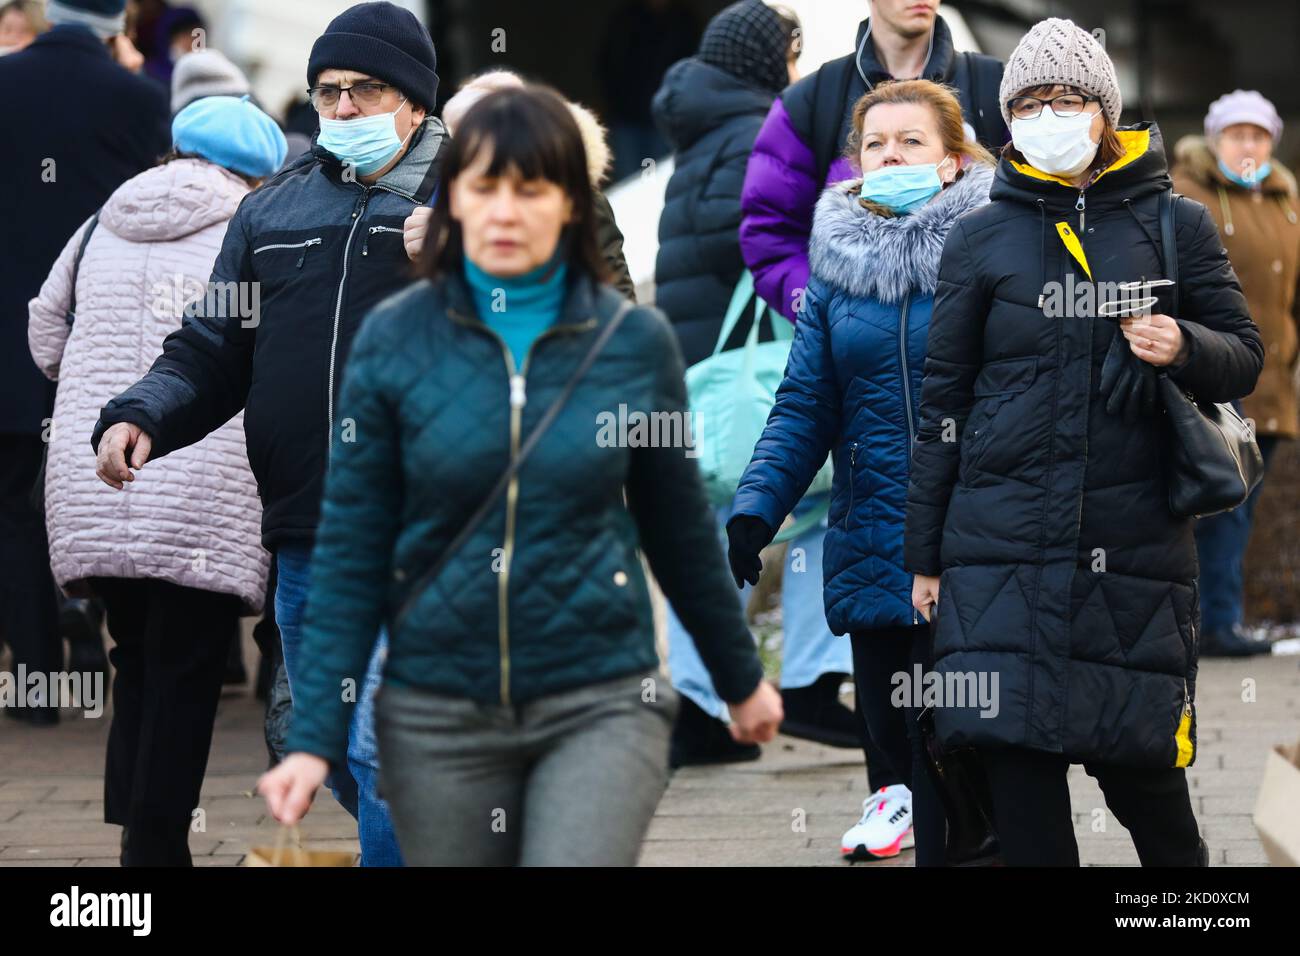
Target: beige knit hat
205,72
1057,51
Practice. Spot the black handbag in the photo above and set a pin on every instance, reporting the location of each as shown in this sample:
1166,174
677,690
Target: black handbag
1214,460
962,785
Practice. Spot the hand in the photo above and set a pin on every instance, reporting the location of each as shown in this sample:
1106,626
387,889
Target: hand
414,229
1154,338
756,719
291,786
114,446
925,592
746,536
124,52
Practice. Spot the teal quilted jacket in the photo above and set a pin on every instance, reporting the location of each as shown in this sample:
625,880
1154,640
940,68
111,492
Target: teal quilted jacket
548,594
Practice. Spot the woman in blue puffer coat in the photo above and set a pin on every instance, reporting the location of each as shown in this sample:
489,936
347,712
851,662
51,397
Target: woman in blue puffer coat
852,389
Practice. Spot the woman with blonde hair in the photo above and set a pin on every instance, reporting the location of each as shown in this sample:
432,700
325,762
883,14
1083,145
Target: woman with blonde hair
851,390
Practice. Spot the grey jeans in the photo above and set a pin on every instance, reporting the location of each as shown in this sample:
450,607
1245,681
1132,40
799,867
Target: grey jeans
571,779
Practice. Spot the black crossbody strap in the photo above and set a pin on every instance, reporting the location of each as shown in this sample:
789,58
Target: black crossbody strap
71,315
828,115
1169,244
512,469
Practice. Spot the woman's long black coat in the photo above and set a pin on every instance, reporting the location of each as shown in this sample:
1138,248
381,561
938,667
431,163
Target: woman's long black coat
1063,573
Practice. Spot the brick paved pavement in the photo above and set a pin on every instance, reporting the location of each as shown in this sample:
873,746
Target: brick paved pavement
743,814
51,790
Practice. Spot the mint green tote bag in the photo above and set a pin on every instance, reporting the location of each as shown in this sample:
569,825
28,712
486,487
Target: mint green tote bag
731,394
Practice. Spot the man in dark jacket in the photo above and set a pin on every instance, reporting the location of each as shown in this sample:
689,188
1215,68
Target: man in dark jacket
311,251
710,109
799,149
77,126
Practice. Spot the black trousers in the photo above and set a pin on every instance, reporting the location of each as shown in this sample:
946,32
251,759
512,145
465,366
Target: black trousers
878,655
170,647
29,610
1032,816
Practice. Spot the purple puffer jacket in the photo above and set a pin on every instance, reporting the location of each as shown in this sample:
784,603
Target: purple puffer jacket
777,205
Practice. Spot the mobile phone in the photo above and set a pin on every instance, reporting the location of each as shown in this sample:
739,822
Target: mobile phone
1137,298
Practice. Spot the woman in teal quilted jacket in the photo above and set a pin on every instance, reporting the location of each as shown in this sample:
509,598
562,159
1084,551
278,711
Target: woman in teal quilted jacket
522,719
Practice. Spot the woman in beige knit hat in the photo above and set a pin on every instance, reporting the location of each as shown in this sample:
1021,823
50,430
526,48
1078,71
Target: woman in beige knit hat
1038,514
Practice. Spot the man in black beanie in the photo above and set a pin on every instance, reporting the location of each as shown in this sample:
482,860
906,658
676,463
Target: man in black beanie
314,249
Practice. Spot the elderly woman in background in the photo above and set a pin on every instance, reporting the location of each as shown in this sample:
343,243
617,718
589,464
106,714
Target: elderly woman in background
608,236
1252,198
178,559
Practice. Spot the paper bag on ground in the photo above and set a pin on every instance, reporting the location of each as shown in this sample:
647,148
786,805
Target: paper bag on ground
1276,812
283,854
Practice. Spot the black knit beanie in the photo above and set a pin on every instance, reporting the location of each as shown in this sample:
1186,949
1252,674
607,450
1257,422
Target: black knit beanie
747,41
381,40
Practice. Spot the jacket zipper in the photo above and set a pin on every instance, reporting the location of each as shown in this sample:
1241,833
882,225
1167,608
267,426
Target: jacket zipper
902,358
304,246
357,213
338,312
1087,395
907,394
365,246
518,398
1187,696
853,455
1042,545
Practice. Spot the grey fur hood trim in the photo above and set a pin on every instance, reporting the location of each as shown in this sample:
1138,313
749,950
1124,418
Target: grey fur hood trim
874,256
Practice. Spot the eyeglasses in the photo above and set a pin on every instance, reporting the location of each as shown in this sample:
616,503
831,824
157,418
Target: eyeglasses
1067,104
365,95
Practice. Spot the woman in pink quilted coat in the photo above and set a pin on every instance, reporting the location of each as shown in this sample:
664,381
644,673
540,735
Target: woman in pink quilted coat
178,557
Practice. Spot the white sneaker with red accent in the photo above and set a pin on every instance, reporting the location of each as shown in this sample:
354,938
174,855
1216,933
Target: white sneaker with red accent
885,828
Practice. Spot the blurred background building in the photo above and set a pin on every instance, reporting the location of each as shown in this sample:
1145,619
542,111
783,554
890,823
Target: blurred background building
1173,56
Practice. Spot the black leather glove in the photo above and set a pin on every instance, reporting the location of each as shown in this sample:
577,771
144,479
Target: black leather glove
746,536
1127,383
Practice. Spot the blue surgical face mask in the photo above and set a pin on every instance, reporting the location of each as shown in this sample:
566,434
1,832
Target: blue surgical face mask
367,142
902,188
1260,175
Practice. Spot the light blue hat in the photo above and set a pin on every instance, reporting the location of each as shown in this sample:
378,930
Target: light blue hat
231,132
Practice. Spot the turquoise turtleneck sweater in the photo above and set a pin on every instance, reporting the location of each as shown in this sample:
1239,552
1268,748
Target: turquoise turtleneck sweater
519,308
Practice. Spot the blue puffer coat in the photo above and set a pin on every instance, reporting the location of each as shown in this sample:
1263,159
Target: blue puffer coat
852,387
